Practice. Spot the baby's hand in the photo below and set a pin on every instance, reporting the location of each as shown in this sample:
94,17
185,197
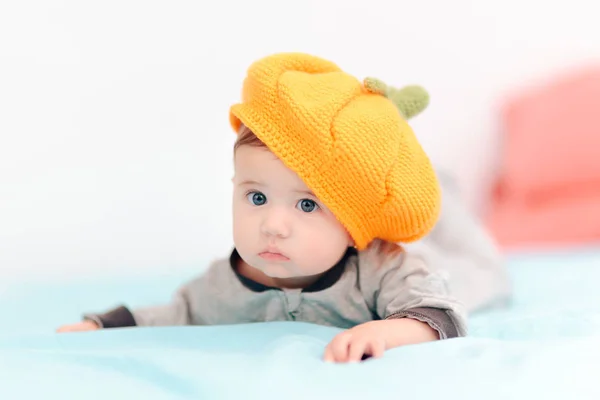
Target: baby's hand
375,337
79,327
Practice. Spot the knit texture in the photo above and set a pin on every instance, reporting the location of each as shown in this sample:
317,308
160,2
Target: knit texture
347,141
410,100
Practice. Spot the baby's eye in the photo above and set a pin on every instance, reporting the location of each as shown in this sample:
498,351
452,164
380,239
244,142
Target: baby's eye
308,205
257,198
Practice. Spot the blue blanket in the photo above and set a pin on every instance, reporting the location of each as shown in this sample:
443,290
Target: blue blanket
546,346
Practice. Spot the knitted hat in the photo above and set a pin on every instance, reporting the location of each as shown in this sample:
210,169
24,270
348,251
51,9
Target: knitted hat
347,140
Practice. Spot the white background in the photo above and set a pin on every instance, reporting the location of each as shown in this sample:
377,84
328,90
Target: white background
115,148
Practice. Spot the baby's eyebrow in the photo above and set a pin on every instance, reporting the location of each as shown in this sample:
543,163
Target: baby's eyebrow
308,192
249,182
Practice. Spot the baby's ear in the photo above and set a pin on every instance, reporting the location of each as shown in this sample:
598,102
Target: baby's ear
351,242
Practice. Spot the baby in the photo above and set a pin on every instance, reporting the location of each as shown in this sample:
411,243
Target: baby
328,179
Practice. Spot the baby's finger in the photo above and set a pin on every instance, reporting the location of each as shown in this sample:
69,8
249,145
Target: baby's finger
328,355
68,328
339,347
78,327
377,348
357,348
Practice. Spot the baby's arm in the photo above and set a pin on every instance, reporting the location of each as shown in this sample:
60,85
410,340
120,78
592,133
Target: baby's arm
461,248
413,306
181,310
177,312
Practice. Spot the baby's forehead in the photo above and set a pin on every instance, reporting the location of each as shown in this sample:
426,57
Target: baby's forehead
272,181
259,166
268,180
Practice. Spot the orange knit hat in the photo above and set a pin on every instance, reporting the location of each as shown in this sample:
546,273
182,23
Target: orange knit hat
347,140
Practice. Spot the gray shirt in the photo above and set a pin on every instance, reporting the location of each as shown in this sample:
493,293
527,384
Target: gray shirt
383,281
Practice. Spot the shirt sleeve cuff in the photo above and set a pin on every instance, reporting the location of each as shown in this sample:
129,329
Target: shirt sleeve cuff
437,318
119,317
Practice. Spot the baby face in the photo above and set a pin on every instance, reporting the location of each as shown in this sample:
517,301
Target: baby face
279,225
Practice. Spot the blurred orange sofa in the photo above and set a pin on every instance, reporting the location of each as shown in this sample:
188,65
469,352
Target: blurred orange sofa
548,187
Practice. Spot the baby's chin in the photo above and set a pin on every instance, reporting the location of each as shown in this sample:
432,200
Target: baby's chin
281,272
284,270
278,272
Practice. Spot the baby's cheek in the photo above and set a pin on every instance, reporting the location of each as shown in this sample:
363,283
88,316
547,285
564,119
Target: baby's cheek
243,230
323,253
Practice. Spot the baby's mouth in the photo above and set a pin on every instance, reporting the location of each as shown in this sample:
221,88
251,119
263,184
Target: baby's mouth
273,256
